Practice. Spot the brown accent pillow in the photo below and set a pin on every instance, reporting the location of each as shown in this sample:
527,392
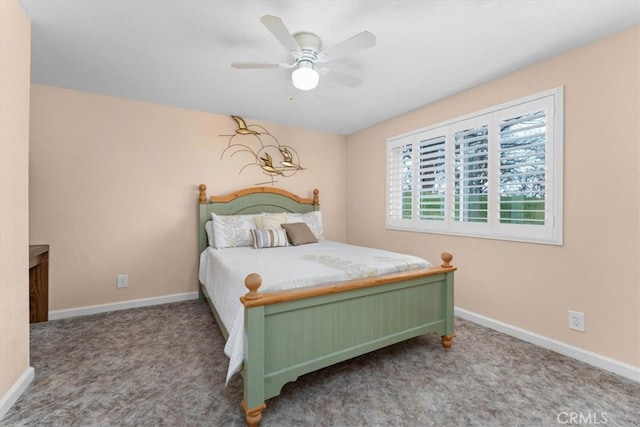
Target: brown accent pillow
299,233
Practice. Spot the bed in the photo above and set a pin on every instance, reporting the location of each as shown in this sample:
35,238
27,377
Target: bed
289,331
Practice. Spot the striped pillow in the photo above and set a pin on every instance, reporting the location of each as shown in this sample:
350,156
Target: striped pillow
269,238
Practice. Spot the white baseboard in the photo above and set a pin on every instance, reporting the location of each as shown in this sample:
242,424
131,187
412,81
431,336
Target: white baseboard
594,359
103,308
16,390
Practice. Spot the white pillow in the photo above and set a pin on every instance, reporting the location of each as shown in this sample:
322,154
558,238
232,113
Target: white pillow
232,231
208,227
312,219
270,221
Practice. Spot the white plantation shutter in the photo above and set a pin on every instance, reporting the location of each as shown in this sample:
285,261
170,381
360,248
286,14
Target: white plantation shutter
399,181
471,180
432,178
494,174
523,167
529,165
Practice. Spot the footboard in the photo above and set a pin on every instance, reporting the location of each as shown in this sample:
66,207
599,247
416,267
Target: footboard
289,334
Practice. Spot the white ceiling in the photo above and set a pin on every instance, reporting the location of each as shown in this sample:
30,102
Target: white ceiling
178,52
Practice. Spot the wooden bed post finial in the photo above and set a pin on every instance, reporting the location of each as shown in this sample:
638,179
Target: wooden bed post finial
316,199
253,281
446,259
202,196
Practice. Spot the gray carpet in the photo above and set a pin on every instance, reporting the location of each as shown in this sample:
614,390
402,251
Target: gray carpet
165,366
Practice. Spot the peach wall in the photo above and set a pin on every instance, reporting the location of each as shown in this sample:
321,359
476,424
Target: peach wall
533,286
15,51
114,190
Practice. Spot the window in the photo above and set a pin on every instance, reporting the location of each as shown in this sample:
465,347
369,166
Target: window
495,174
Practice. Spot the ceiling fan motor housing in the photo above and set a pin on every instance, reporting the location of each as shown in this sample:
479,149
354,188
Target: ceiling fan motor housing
309,46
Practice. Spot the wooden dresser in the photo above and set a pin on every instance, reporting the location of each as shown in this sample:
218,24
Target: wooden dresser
38,283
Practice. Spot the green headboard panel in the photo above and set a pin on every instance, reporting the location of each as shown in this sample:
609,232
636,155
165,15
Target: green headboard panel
252,200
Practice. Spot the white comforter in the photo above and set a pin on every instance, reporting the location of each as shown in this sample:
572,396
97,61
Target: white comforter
223,271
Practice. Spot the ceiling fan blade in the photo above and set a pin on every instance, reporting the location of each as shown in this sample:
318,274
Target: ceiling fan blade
345,79
259,65
278,29
361,41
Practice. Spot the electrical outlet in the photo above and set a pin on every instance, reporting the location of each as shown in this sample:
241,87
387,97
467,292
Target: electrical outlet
122,281
576,321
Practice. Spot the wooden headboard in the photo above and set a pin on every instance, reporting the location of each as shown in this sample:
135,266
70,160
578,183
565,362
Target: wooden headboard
252,200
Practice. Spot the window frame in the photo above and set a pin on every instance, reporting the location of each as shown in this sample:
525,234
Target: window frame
550,101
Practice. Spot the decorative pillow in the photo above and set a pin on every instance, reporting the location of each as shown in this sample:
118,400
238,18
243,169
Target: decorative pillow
312,219
270,221
232,231
269,238
299,233
208,227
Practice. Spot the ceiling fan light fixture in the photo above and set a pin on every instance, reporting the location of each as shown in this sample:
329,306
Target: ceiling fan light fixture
305,77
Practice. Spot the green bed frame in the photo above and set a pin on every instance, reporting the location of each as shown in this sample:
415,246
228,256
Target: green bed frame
289,334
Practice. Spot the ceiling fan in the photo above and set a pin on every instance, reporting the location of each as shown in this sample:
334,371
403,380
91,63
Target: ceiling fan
309,61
